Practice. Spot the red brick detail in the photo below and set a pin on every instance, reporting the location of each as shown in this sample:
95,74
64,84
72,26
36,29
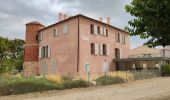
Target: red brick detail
31,53
31,48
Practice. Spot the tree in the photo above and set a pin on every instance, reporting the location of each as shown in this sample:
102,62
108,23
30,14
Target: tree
11,54
151,20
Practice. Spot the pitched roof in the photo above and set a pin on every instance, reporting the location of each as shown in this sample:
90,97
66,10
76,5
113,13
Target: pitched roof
80,15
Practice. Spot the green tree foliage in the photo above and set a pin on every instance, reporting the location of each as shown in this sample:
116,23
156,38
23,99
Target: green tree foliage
151,20
11,54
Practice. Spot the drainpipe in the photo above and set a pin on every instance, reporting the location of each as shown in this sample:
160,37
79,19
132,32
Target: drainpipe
78,48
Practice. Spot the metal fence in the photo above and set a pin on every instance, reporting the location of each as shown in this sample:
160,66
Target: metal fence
132,75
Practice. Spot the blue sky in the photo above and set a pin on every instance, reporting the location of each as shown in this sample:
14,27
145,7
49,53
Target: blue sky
14,14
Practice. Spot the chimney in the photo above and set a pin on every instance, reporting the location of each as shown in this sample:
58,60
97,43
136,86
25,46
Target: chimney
60,17
65,16
108,20
101,19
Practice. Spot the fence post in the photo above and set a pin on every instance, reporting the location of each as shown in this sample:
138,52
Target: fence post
117,75
105,77
126,76
89,78
142,74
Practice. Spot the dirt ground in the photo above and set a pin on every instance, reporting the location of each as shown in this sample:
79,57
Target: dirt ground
150,89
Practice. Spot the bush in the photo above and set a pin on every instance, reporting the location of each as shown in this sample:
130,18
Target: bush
23,85
11,85
75,84
165,69
108,80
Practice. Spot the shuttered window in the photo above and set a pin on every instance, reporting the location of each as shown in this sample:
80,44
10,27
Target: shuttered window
104,49
92,28
55,32
117,37
65,28
96,48
95,29
92,48
98,30
101,49
45,51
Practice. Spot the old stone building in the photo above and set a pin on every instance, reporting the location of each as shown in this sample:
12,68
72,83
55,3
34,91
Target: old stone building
74,46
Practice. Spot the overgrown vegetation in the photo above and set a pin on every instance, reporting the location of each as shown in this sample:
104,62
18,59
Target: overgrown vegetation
108,80
11,54
165,69
11,85
151,21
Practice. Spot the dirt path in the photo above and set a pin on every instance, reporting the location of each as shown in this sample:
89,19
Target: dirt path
153,89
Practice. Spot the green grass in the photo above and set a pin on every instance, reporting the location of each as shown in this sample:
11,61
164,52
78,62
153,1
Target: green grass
11,85
165,69
109,80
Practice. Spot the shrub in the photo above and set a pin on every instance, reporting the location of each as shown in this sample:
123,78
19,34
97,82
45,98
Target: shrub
108,80
165,69
75,84
23,85
13,85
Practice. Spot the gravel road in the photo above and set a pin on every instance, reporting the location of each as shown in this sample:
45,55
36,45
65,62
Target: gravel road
149,89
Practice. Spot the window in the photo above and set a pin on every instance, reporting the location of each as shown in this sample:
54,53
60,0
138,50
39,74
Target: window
118,37
40,37
117,53
106,32
104,49
92,48
55,32
92,28
65,28
98,30
45,51
123,39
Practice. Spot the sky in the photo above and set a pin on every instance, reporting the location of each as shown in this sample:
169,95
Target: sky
14,14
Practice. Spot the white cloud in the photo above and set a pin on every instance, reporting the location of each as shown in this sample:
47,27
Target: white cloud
18,12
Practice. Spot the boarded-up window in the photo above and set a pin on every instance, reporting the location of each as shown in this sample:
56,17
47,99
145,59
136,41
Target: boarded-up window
65,28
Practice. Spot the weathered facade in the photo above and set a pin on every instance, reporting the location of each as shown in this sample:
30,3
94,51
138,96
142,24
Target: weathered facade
77,45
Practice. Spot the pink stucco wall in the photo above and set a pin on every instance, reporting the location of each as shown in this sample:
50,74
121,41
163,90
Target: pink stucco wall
96,61
65,56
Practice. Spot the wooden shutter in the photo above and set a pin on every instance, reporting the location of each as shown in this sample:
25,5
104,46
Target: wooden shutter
107,48
49,51
95,29
120,53
96,48
40,54
104,33
101,30
101,49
